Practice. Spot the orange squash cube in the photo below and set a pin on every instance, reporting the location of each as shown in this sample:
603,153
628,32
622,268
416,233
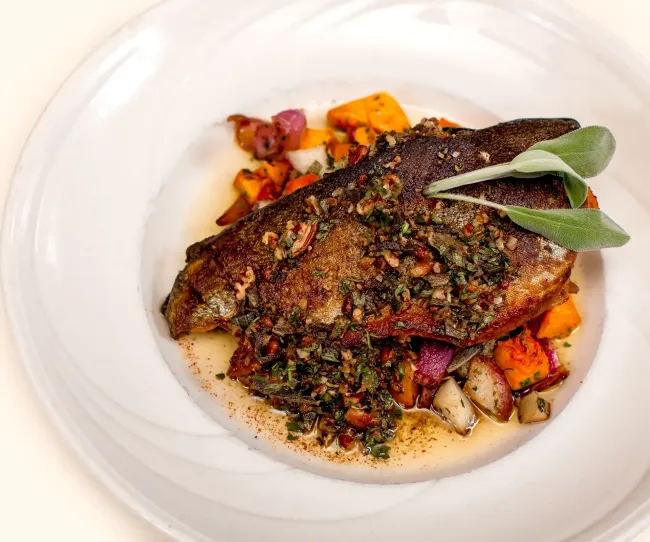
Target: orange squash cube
314,138
379,111
559,322
522,360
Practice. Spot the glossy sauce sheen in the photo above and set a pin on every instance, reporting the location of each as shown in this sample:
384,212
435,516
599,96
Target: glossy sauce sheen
423,440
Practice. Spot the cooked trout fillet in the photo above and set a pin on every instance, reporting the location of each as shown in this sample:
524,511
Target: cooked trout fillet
363,254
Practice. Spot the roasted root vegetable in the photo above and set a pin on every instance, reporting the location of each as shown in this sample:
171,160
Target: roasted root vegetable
487,386
360,419
380,111
278,171
557,371
432,363
522,360
251,183
455,407
533,408
245,128
305,159
300,182
363,135
592,200
270,139
444,123
240,208
314,138
406,391
560,321
339,150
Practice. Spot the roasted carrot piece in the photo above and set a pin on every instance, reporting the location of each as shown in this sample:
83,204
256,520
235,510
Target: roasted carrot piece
445,123
523,360
238,209
560,321
408,394
300,182
380,111
592,201
313,138
364,135
385,114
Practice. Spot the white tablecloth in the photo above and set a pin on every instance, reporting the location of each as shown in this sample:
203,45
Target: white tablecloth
45,494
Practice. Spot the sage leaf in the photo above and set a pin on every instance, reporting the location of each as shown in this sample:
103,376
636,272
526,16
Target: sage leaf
539,162
587,150
574,156
576,229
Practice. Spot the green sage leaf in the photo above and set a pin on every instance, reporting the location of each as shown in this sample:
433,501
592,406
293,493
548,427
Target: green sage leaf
587,150
575,156
576,229
539,162
471,177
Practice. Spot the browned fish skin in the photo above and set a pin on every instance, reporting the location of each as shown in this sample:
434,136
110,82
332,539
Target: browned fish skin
307,288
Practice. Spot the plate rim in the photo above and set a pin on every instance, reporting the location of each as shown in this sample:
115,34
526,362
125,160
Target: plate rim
630,60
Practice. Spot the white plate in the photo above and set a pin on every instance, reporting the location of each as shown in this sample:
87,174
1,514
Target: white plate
98,214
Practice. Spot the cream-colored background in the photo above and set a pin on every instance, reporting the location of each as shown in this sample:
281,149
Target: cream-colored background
45,493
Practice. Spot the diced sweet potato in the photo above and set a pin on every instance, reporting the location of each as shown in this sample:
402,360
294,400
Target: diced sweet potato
385,114
338,150
277,170
560,321
522,360
592,200
487,386
237,210
313,138
360,419
349,115
380,111
250,184
364,135
444,123
407,391
300,182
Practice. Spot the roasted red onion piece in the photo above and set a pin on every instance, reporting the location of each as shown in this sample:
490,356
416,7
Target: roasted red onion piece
290,125
432,363
267,141
245,128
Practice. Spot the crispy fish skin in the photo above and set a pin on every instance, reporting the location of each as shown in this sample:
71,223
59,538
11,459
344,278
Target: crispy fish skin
210,291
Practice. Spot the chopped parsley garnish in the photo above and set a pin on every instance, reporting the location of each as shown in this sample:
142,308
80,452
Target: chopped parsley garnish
319,273
220,376
541,405
293,427
379,451
567,345
525,383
